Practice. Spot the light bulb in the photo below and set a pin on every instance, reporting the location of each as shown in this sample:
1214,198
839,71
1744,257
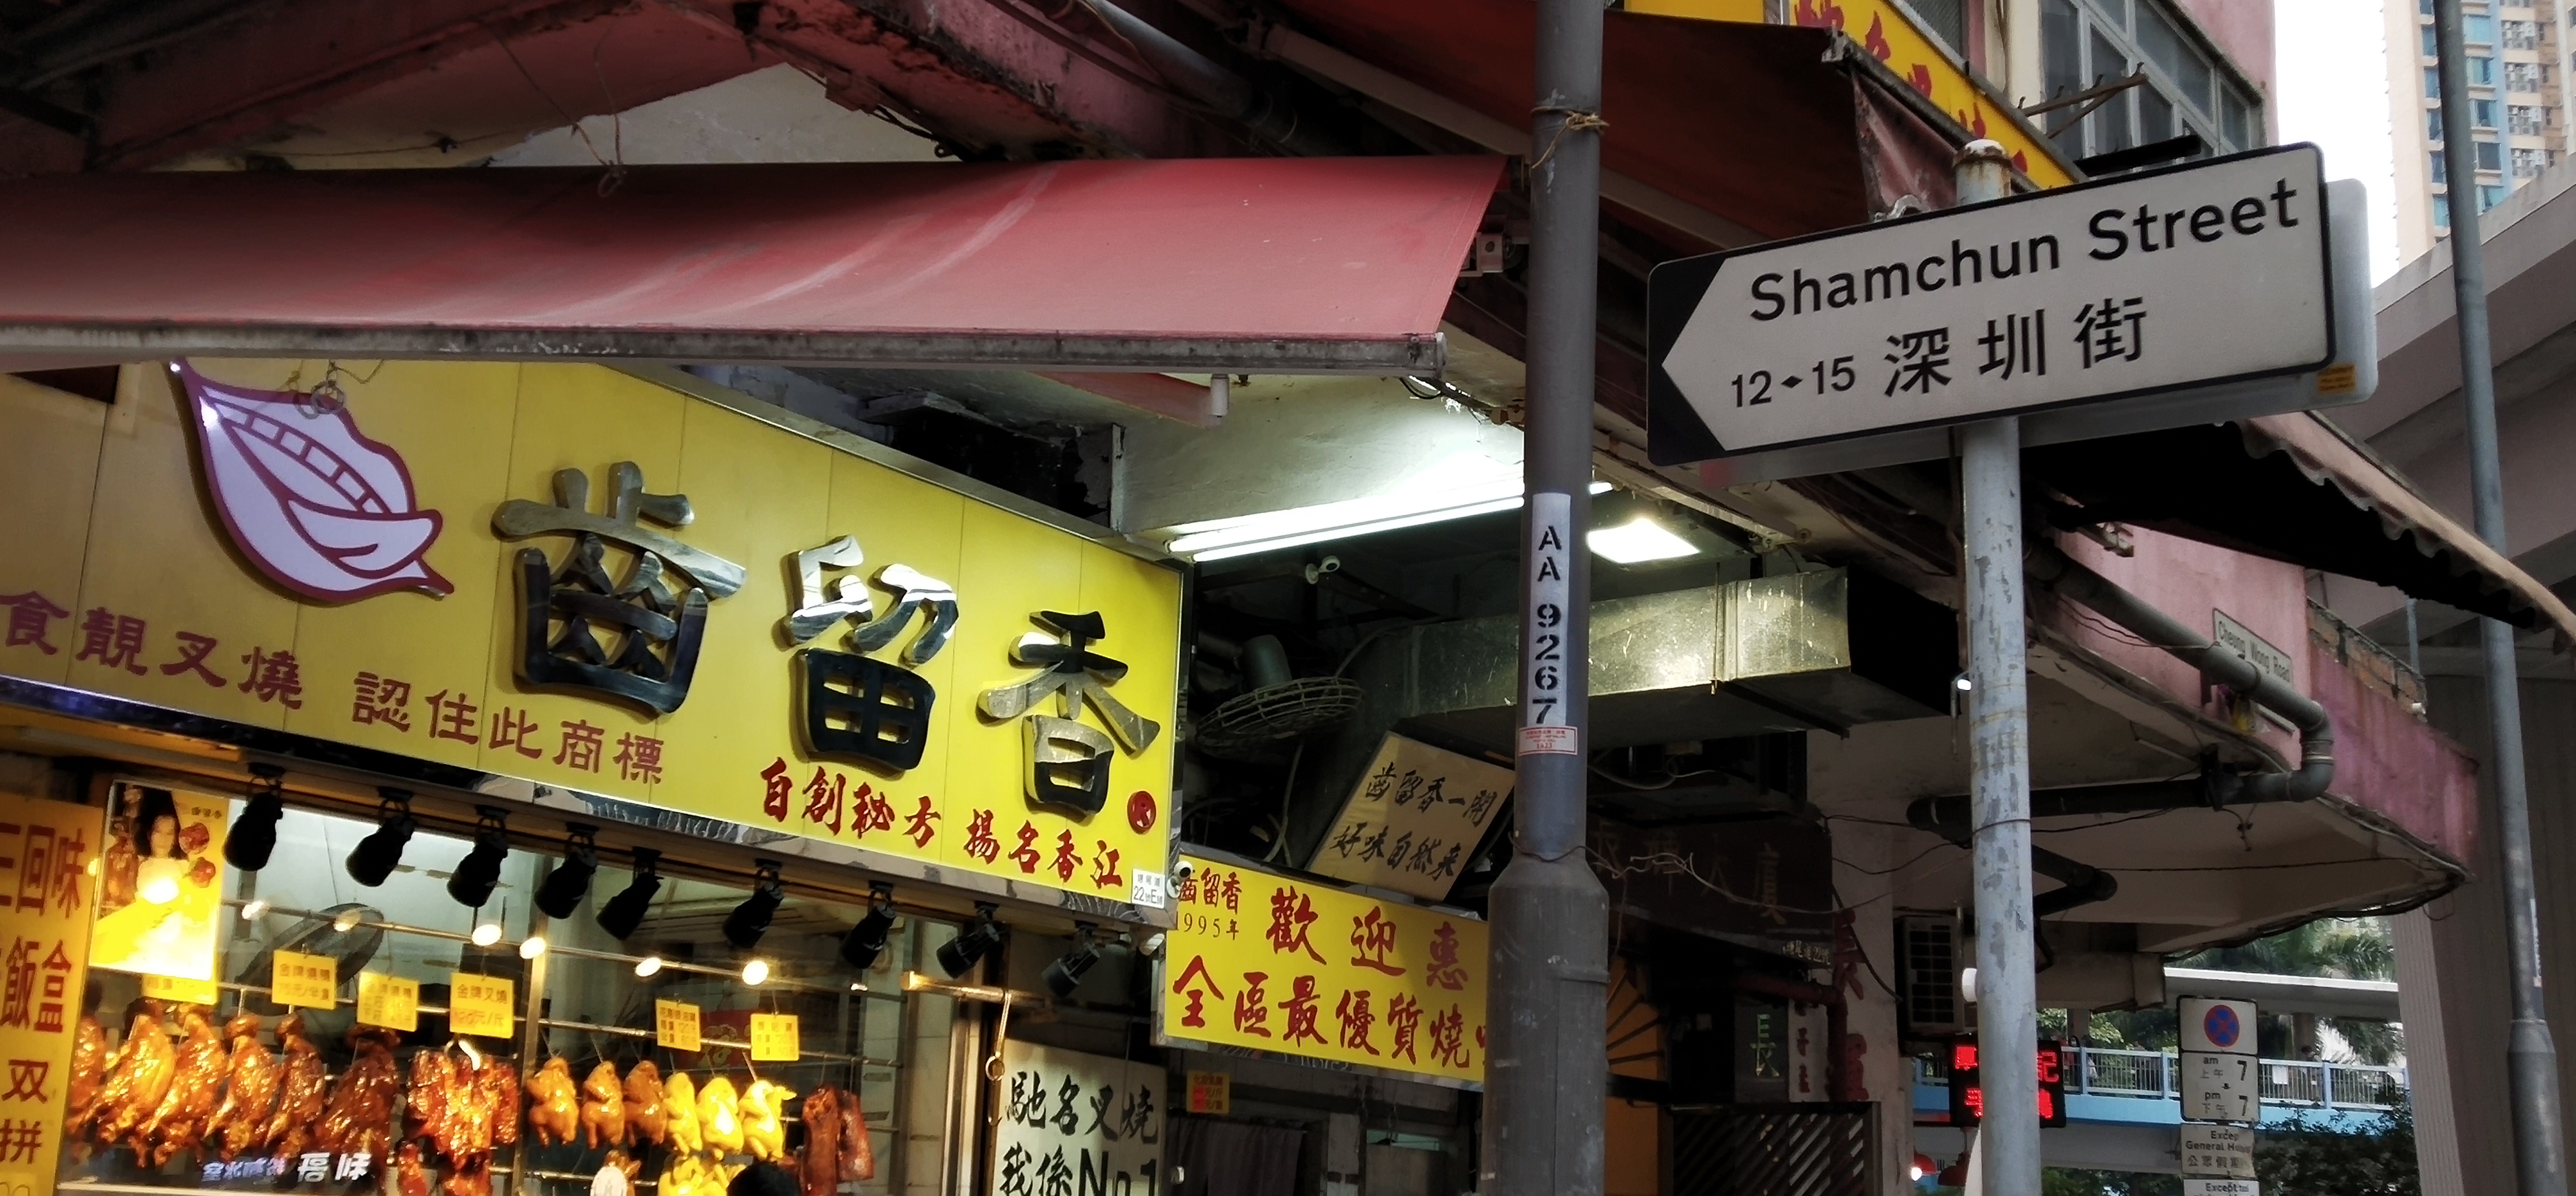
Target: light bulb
348,920
487,934
532,946
254,909
755,972
161,891
647,966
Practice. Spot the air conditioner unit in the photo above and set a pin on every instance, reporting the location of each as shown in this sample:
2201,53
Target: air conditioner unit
1928,960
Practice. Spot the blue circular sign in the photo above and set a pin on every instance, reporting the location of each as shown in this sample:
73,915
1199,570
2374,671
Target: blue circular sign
2221,1026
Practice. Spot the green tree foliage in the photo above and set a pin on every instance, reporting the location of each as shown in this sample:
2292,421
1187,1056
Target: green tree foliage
2304,1158
2343,948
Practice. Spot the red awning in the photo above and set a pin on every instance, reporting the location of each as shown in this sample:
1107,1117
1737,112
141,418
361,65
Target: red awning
1241,265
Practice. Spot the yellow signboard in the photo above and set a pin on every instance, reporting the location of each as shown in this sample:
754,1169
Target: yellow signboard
483,1006
675,1026
1414,820
575,576
774,1038
49,849
182,992
1889,35
303,981
161,883
1263,961
1211,1093
388,1001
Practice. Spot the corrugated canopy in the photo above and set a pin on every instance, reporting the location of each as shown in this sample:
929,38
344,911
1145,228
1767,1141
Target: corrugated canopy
1259,265
2292,488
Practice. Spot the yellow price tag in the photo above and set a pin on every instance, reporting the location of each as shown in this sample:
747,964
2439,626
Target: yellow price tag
185,992
675,1025
480,1005
303,981
774,1038
388,1001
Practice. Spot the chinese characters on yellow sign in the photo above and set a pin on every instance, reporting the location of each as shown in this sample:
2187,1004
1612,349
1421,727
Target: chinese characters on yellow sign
388,1001
675,1026
574,576
480,1005
773,1037
304,981
1414,820
48,892
1259,960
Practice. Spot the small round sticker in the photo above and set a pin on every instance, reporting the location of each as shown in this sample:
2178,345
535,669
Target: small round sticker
2221,1026
1141,812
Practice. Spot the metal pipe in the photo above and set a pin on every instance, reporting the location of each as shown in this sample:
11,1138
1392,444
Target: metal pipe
1203,79
2061,573
1999,765
1547,1070
2539,1153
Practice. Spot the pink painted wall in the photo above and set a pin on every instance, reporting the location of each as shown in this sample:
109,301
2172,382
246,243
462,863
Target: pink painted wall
2386,760
2242,30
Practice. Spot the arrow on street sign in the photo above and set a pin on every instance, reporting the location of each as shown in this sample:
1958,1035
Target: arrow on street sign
2149,284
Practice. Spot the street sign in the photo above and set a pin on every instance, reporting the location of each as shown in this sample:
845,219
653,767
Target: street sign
2216,1026
2218,1087
2203,275
2221,1187
2223,1151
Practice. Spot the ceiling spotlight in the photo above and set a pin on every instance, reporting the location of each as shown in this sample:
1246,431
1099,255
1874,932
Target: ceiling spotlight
756,972
562,890
648,965
958,956
254,835
625,911
373,859
750,920
867,940
486,933
1065,974
254,909
480,871
1637,541
532,946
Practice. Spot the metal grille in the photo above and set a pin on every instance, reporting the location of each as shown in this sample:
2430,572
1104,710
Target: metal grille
1929,959
1774,1150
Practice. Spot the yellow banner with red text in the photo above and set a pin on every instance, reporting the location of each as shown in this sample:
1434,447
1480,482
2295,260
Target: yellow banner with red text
579,577
1259,960
48,886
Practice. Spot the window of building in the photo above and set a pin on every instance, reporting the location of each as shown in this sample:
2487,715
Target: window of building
2526,119
2529,162
1948,21
2521,35
2441,212
2478,30
2441,168
2188,89
2432,84
2489,195
2490,156
2482,72
2433,126
2523,76
2482,113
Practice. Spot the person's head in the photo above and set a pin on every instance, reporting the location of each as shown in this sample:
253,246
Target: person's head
156,825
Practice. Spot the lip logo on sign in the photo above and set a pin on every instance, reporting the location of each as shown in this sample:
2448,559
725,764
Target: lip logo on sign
2221,1026
318,507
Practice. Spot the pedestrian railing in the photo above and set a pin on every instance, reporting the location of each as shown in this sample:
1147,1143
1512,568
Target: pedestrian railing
2101,1071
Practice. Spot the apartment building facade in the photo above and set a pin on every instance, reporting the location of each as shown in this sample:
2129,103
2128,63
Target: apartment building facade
2518,100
